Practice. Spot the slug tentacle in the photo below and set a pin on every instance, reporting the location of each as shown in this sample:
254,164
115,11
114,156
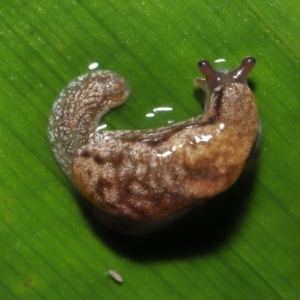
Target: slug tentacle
214,78
146,178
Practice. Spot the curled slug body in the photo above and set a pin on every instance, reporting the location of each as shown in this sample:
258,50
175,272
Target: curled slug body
140,180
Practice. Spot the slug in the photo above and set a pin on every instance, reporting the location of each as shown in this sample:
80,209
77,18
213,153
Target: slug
140,180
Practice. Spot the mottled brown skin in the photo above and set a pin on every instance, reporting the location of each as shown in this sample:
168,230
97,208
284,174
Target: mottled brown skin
141,180
188,176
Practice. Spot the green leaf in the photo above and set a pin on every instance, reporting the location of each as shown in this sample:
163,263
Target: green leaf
243,244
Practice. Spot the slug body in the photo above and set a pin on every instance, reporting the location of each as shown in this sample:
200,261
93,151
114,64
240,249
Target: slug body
140,180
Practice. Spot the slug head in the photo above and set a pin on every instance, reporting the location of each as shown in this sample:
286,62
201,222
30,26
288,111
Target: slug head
214,78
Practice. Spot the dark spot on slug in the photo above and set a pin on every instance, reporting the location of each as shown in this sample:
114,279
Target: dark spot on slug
85,154
98,159
220,94
153,143
101,185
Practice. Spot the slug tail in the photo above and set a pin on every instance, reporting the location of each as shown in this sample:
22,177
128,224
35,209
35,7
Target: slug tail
78,109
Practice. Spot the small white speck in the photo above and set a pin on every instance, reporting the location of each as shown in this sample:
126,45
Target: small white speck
115,276
162,109
150,115
220,60
164,154
101,127
203,138
93,65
